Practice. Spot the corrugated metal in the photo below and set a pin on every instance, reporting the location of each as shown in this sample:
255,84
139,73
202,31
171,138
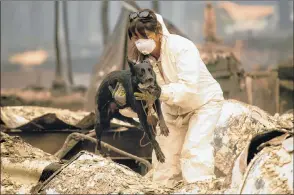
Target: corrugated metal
30,118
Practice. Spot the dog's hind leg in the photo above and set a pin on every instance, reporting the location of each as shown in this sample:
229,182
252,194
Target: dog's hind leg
163,128
103,124
159,154
149,132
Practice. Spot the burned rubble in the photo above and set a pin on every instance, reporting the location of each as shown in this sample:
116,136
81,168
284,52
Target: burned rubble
244,133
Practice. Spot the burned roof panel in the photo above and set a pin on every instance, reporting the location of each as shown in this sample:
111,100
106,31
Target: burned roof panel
32,118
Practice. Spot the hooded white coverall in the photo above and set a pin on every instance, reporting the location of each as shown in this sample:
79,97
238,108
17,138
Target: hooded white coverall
191,106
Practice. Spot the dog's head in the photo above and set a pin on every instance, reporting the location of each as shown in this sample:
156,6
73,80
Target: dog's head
143,74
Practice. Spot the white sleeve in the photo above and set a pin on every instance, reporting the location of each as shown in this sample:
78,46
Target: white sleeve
184,91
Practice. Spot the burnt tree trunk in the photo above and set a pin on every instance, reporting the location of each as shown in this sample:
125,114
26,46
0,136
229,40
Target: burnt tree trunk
58,82
67,45
155,6
104,18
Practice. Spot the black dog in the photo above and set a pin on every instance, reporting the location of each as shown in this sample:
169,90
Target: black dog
137,76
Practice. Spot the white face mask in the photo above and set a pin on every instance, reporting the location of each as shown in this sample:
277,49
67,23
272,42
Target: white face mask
145,46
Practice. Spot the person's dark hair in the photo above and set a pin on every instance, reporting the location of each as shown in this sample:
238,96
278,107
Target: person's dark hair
140,24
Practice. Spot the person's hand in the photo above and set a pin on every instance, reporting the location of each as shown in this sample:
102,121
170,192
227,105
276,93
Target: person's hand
145,96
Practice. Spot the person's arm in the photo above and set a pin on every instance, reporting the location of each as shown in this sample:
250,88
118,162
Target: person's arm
183,92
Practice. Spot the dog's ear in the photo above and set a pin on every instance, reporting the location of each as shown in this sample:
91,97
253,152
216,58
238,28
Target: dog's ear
132,66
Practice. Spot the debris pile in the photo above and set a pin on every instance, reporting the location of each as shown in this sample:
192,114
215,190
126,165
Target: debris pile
94,174
238,127
14,147
214,186
238,124
21,165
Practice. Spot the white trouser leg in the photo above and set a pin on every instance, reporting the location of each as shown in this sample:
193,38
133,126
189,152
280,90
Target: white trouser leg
169,172
197,158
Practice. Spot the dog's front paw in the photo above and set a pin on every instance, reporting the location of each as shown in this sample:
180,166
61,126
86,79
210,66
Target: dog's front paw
160,156
164,130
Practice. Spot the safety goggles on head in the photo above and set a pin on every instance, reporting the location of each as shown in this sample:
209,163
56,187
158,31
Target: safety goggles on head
142,14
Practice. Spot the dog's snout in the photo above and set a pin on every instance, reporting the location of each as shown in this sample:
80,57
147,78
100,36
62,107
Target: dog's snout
150,80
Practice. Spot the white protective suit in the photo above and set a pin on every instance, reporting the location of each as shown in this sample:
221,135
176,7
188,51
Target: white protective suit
191,108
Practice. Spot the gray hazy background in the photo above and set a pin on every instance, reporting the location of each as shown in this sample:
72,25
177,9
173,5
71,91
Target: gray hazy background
29,25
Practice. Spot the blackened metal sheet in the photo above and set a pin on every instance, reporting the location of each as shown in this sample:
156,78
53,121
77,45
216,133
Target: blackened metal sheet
34,118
